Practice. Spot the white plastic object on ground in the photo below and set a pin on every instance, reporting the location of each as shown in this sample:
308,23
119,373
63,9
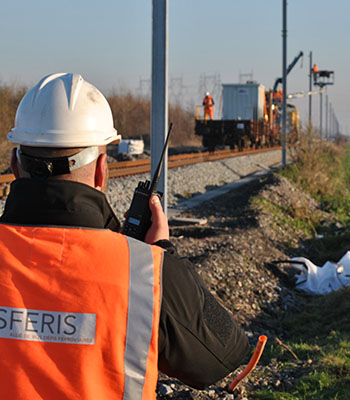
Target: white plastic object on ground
322,279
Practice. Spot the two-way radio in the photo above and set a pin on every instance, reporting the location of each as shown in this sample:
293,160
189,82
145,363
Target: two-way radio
139,217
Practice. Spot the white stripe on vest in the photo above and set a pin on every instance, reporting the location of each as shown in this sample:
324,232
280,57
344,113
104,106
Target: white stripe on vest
140,318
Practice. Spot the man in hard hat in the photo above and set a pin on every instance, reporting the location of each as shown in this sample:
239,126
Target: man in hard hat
87,312
208,104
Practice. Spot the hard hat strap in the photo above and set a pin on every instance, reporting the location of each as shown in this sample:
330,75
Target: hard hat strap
39,167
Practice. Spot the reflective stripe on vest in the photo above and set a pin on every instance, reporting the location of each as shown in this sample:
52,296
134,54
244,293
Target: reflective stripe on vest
140,319
79,314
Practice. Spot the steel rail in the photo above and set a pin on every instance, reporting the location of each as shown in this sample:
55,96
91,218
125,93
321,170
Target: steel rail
126,168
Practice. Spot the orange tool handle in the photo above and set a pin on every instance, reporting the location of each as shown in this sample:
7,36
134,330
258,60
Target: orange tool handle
252,363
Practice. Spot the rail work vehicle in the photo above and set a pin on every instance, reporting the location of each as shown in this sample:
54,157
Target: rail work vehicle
250,118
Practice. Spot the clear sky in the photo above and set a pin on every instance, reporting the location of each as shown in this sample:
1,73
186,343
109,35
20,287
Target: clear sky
210,42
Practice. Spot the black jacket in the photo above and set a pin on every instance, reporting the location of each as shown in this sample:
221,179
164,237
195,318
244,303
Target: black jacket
199,342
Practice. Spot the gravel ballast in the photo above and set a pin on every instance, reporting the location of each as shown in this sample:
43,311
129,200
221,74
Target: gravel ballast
186,182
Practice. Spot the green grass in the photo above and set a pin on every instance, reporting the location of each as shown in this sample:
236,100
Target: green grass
325,174
305,223
327,178
317,347
320,337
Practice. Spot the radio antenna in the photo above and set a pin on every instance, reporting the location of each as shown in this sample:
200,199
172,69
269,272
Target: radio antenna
156,176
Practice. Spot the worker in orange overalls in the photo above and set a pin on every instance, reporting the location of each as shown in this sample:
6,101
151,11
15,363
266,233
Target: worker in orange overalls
208,104
87,312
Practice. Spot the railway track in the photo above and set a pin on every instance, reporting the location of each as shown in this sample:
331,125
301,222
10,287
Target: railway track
126,168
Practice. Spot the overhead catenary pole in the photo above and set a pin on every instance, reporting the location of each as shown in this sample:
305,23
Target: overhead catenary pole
326,133
159,103
330,120
310,89
321,108
337,126
284,83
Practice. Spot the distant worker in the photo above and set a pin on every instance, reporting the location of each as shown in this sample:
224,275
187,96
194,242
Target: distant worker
86,312
208,104
315,69
278,96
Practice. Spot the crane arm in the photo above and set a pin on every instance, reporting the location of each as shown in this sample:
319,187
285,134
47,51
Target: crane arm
290,67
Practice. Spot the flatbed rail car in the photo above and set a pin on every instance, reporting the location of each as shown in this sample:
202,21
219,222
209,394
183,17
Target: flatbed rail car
237,134
248,119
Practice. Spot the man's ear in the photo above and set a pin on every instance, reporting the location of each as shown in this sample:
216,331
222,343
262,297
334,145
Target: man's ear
14,163
101,172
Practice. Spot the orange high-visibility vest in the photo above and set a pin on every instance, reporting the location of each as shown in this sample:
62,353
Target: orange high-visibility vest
208,107
208,101
79,314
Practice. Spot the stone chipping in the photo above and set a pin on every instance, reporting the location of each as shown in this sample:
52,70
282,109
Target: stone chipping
186,182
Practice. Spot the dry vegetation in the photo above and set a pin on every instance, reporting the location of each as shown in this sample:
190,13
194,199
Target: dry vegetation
131,118
317,163
10,96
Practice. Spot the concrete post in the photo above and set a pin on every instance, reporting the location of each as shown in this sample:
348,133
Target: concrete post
284,84
159,103
310,89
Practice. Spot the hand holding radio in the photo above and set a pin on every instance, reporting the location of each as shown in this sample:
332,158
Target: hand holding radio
139,216
159,229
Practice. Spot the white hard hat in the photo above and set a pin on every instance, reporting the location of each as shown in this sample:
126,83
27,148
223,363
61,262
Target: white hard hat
207,93
63,110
